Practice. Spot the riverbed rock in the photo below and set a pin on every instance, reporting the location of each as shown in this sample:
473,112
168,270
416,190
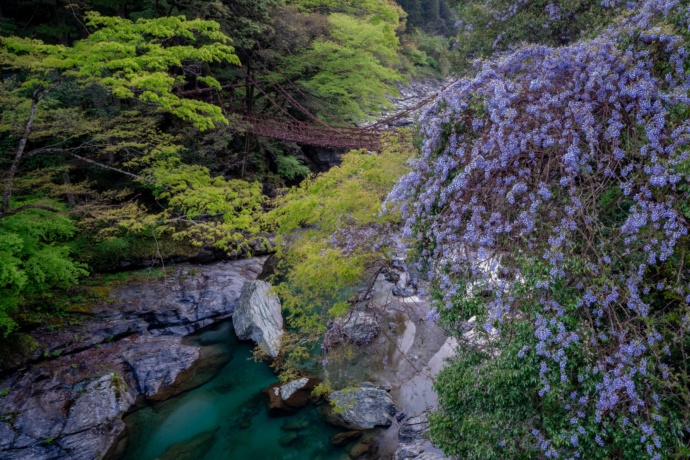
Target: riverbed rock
190,449
72,406
299,424
291,396
413,442
403,292
359,450
288,438
79,421
341,439
404,280
410,95
258,317
289,389
356,327
190,298
156,363
361,408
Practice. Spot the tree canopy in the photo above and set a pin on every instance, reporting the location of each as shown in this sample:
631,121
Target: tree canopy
144,61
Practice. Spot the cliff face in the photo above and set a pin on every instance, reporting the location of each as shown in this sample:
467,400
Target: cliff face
68,401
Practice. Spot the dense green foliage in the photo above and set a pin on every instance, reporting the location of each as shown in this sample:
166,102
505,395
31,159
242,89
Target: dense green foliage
316,224
33,259
130,60
353,69
99,132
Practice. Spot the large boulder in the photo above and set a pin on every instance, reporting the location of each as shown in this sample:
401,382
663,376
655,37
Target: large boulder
356,327
80,422
188,299
157,362
361,408
291,396
71,407
258,317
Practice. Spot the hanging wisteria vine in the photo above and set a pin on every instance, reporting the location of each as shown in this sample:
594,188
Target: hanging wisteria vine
573,159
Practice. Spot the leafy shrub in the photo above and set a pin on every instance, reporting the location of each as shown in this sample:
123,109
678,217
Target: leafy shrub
290,168
33,259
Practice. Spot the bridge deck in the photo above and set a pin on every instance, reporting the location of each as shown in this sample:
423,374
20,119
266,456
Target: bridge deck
311,133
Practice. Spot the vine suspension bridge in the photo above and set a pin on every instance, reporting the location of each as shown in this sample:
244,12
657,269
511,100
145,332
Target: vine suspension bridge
287,127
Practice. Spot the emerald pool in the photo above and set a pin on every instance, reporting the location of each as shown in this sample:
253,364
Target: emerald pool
227,417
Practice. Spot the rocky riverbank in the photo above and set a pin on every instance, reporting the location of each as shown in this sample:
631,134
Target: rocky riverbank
401,350
68,399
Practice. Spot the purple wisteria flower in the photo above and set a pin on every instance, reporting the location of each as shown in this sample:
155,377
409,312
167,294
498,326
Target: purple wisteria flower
565,136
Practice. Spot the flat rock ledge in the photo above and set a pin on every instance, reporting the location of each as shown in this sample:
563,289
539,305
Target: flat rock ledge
67,400
258,317
361,408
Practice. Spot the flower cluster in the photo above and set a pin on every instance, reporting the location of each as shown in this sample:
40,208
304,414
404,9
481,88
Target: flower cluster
572,158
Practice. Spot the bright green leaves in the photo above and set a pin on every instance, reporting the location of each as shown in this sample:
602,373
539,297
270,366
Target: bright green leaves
133,59
290,168
355,66
33,258
197,208
136,58
224,213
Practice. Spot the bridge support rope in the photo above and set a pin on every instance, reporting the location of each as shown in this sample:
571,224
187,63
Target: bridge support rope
319,134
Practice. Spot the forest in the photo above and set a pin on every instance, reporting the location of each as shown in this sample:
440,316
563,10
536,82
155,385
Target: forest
102,148
545,192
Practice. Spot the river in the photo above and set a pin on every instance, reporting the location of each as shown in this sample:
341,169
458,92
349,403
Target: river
227,417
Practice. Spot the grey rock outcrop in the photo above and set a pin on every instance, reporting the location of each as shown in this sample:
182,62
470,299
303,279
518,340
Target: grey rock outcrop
71,407
410,96
154,363
189,299
413,444
403,292
362,408
103,399
356,327
258,317
68,403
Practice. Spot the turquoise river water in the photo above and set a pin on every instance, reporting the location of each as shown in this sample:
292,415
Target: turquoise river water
227,417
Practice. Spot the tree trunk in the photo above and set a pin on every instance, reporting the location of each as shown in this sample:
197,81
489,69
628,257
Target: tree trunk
9,178
70,196
249,107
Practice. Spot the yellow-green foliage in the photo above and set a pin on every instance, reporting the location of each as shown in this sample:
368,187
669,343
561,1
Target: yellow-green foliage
197,208
315,275
133,59
355,67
